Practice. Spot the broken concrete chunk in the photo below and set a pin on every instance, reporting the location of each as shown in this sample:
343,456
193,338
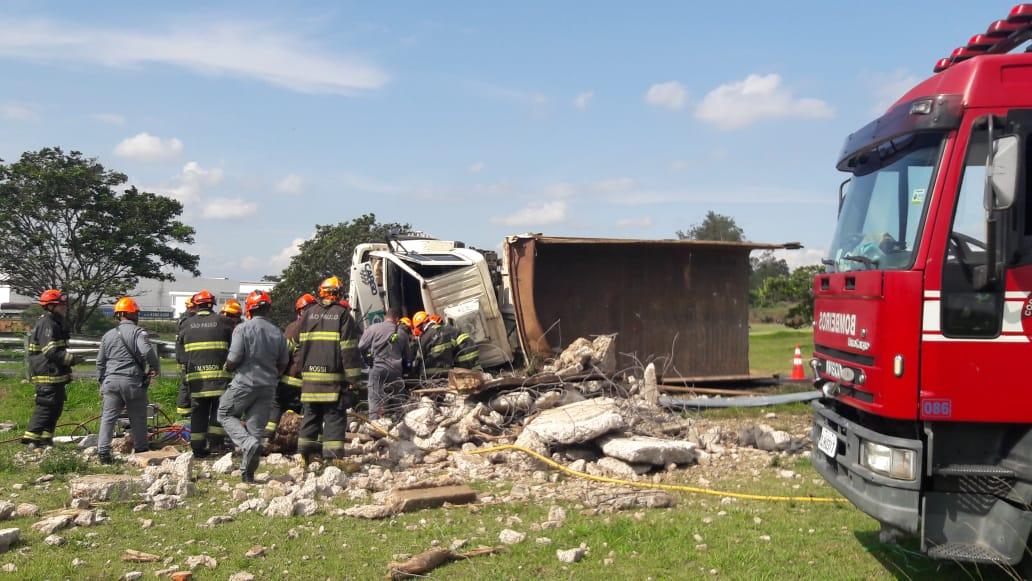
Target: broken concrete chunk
774,441
49,526
617,468
577,423
223,465
102,487
132,556
513,402
8,537
25,509
369,511
431,497
511,537
647,450
6,509
154,457
196,561
465,380
570,555
650,386
282,506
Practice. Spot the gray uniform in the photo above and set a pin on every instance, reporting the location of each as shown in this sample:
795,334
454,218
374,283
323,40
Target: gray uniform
260,352
389,345
122,382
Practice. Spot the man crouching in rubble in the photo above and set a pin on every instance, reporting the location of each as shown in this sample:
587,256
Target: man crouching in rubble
387,342
258,354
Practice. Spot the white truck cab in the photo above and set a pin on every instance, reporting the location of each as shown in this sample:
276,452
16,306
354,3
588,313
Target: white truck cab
436,276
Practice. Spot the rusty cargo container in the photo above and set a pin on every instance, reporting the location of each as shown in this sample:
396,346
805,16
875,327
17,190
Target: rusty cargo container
684,304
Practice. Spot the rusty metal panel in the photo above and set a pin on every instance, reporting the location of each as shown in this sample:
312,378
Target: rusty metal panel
678,302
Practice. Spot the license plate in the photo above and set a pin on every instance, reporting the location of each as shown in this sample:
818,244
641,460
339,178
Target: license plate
828,442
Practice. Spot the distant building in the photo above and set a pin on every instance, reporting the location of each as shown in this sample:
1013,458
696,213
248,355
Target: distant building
157,299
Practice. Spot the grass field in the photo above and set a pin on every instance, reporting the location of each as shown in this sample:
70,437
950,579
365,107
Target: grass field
740,540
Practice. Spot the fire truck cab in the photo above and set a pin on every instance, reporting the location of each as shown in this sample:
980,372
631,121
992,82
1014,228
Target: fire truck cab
923,318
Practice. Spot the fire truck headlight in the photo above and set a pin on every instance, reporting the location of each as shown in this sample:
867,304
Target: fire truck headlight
896,463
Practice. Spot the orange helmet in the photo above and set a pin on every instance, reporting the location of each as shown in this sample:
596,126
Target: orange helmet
405,321
256,300
189,303
435,318
232,308
419,319
126,305
203,299
303,301
52,297
330,288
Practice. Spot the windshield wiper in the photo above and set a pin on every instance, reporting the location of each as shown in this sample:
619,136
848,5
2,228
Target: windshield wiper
862,260
827,262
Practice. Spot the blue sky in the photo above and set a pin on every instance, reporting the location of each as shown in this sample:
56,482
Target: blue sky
469,120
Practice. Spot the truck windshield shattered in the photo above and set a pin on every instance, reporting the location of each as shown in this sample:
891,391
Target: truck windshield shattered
884,205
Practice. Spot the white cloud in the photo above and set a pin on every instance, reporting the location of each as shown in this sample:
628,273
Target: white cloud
476,167
801,257
228,209
634,223
889,88
535,214
109,118
614,185
281,260
191,181
291,185
756,98
147,147
560,190
671,95
581,101
18,112
279,55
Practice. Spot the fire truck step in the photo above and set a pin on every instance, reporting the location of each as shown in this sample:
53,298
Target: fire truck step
964,552
973,470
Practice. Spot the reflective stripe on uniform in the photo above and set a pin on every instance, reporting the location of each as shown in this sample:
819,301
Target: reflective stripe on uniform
437,349
208,393
271,426
53,345
319,336
205,346
291,380
468,356
349,344
321,377
198,436
320,397
33,348
30,436
333,444
216,430
210,374
51,378
182,411
462,338
352,372
436,370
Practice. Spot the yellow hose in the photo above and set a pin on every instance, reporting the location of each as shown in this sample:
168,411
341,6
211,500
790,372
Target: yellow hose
670,487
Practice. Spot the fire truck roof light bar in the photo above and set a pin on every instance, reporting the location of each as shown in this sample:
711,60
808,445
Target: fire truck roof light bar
1001,37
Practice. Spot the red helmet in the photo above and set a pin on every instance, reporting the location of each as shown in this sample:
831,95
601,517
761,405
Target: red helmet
303,301
52,297
256,300
126,305
204,299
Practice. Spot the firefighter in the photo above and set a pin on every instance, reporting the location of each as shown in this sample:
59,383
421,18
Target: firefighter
288,391
467,352
258,356
183,398
436,345
126,363
201,348
232,310
388,345
50,368
405,327
330,365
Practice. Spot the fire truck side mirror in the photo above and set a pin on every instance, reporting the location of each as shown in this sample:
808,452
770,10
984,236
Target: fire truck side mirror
1003,172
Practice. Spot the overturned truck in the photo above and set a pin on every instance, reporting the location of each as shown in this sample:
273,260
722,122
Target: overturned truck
683,304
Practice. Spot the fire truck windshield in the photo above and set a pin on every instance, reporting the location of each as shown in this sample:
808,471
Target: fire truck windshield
884,206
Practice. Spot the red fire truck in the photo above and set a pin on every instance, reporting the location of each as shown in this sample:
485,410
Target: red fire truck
923,320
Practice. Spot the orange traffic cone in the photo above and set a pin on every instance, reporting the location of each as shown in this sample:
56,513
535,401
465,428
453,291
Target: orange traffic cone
797,365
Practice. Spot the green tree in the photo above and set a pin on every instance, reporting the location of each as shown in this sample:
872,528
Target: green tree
63,225
328,253
714,227
796,288
762,267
